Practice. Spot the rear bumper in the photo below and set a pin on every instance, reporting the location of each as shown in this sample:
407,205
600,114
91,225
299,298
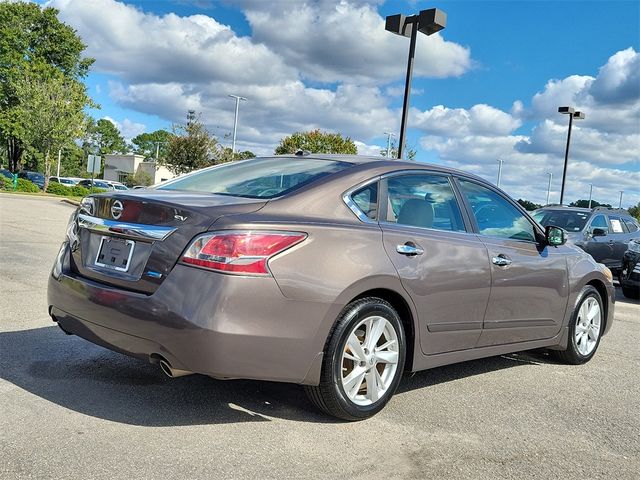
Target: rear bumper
220,325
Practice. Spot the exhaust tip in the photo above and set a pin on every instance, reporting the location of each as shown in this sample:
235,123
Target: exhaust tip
172,372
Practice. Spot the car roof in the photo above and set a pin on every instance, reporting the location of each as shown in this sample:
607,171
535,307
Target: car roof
560,208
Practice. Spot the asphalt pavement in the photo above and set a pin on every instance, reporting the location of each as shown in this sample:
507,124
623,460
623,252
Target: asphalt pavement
70,409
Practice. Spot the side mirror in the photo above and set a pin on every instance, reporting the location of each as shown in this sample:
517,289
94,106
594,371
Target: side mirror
598,232
555,236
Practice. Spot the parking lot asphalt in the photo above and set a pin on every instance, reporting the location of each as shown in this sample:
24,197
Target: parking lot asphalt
70,409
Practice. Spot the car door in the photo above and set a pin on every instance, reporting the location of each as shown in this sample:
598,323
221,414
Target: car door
529,288
619,238
444,268
599,247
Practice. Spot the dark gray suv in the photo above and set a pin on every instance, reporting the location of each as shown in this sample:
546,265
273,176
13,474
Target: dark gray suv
602,232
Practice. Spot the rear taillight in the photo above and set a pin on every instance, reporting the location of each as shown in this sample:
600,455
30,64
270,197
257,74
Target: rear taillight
239,252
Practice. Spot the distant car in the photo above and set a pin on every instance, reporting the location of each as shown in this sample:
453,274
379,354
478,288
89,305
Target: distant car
96,183
630,275
6,173
118,185
69,182
34,177
601,232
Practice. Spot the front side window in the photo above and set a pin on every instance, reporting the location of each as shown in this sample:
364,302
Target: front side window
367,200
424,201
495,215
600,221
257,178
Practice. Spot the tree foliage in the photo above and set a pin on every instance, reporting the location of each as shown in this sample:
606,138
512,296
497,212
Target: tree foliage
154,145
223,155
635,211
585,204
103,138
316,141
50,113
409,152
32,37
191,147
528,205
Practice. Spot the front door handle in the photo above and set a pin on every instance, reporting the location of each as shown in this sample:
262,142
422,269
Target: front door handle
409,249
501,260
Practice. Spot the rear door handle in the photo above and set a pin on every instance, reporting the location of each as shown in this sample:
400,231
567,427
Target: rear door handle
501,260
409,249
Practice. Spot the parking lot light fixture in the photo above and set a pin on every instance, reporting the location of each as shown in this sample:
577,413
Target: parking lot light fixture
389,135
572,115
428,22
620,203
590,193
549,186
235,122
500,162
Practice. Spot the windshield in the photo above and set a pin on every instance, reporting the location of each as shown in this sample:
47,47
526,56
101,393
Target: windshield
571,221
257,178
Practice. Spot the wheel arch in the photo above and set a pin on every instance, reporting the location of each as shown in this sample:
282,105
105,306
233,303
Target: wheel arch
602,290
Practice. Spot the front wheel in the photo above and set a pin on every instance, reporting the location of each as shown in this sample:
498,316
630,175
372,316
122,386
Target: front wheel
585,329
363,361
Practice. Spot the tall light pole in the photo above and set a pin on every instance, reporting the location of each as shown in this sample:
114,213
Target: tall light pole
549,186
235,122
590,193
389,135
620,204
500,162
579,116
427,22
59,154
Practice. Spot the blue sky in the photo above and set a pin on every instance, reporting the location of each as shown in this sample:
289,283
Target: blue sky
486,87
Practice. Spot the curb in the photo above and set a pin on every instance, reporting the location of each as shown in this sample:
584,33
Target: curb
70,202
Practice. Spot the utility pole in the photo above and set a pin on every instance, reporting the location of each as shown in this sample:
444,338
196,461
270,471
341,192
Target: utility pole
389,135
620,204
59,154
549,186
235,122
590,193
500,161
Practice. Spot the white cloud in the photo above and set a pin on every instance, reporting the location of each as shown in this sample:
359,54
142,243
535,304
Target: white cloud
128,129
372,150
478,120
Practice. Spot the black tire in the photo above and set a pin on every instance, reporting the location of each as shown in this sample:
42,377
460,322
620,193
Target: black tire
329,396
571,354
629,291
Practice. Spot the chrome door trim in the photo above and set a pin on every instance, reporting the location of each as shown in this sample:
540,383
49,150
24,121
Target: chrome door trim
132,230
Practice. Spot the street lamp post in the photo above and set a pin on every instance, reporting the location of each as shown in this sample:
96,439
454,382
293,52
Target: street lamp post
500,162
427,22
579,116
549,186
389,135
620,204
235,122
590,193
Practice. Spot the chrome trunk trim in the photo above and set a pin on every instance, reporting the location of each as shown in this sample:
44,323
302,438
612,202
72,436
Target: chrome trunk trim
131,230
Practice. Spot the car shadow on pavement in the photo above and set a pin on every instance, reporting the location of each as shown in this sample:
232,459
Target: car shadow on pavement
83,377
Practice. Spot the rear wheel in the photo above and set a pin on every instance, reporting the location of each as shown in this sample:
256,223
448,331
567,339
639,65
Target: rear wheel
585,329
363,361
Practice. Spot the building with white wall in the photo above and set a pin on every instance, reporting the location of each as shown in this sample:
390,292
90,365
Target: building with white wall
117,168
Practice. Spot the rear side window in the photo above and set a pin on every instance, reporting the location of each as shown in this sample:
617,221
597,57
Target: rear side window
631,225
600,221
617,225
495,215
257,178
424,201
367,200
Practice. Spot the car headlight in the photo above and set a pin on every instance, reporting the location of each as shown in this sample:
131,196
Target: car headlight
634,246
607,273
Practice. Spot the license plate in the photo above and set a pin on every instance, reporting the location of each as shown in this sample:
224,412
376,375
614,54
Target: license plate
115,253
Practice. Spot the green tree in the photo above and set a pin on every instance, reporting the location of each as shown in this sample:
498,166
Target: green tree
316,141
31,35
585,204
635,211
191,147
152,145
103,138
529,206
223,155
50,111
410,153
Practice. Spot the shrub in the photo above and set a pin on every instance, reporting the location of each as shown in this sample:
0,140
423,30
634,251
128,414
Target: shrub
58,189
79,191
26,186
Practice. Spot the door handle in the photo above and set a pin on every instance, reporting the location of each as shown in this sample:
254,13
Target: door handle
501,260
409,249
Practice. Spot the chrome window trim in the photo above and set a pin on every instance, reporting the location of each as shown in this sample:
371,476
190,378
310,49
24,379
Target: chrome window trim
346,198
133,230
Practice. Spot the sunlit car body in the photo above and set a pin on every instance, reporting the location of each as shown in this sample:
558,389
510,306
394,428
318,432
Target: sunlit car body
601,232
68,182
335,272
88,183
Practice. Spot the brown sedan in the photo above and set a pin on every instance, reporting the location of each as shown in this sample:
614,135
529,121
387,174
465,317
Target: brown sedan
335,272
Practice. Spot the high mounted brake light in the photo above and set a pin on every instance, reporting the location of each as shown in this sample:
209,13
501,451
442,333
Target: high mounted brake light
241,252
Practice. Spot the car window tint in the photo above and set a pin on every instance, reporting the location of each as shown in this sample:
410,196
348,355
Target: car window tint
367,200
495,215
617,225
571,221
631,226
599,221
424,201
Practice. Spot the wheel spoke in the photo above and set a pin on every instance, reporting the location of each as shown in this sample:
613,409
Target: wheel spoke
373,391
387,357
355,347
386,345
379,379
353,381
374,332
593,311
580,329
348,356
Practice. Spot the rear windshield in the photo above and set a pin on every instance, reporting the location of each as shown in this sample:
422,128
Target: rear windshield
257,178
570,221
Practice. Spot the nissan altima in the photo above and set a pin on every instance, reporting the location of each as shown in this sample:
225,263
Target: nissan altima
335,272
